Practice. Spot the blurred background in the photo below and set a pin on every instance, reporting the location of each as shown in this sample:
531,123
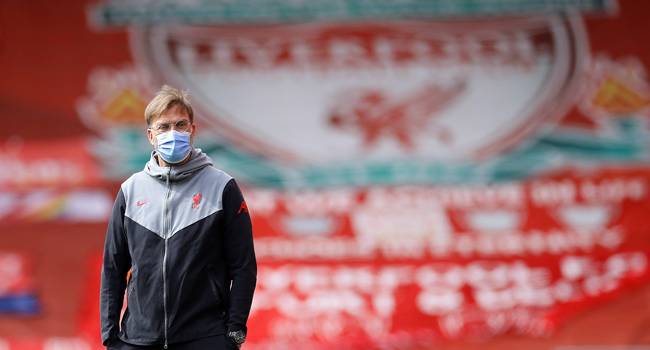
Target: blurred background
420,173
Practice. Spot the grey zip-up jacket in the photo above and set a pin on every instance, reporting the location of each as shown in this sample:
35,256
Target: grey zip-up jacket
186,235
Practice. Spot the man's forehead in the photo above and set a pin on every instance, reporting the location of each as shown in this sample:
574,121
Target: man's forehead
170,120
172,115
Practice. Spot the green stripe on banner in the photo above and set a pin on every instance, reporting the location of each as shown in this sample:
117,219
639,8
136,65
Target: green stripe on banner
146,12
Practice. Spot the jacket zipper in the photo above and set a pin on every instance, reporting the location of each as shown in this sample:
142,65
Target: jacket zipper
167,223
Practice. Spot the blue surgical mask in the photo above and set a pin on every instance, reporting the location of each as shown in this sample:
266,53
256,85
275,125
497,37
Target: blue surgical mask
174,146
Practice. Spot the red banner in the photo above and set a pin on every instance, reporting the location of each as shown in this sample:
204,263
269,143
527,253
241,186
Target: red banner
421,265
63,163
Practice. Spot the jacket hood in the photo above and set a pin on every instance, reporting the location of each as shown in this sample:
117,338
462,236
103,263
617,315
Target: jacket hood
198,160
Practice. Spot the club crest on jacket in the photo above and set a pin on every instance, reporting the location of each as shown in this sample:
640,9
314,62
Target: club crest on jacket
196,200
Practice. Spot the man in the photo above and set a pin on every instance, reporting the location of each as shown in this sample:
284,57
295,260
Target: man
183,230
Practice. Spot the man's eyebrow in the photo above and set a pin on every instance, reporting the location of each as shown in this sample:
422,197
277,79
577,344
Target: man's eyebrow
182,120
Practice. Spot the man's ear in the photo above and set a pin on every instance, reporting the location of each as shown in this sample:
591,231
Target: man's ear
193,127
152,138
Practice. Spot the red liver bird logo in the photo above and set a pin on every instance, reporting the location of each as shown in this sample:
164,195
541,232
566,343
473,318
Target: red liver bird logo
196,200
375,114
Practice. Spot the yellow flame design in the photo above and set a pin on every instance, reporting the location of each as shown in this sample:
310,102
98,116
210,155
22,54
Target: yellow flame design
618,98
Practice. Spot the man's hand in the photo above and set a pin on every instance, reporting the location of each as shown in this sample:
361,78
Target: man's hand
237,337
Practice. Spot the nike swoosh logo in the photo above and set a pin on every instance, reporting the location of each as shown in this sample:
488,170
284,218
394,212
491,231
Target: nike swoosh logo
143,203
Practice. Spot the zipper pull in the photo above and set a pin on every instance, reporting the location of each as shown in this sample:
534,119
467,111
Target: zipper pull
165,344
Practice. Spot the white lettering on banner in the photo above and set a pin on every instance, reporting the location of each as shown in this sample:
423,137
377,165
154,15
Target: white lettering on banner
601,277
346,201
550,193
81,205
306,278
609,190
614,190
416,244
327,328
329,301
371,50
402,232
481,326
439,301
58,343
509,196
261,202
22,173
535,243
336,249
415,222
314,203
326,301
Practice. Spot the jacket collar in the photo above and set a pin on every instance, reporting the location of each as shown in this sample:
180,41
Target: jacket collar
198,160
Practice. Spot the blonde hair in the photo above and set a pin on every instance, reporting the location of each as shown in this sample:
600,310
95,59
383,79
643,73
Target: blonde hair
166,98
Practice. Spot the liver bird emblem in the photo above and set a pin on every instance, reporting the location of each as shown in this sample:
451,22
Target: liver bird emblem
196,200
375,114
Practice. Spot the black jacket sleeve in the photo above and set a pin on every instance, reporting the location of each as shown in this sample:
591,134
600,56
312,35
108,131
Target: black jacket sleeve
240,256
117,262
